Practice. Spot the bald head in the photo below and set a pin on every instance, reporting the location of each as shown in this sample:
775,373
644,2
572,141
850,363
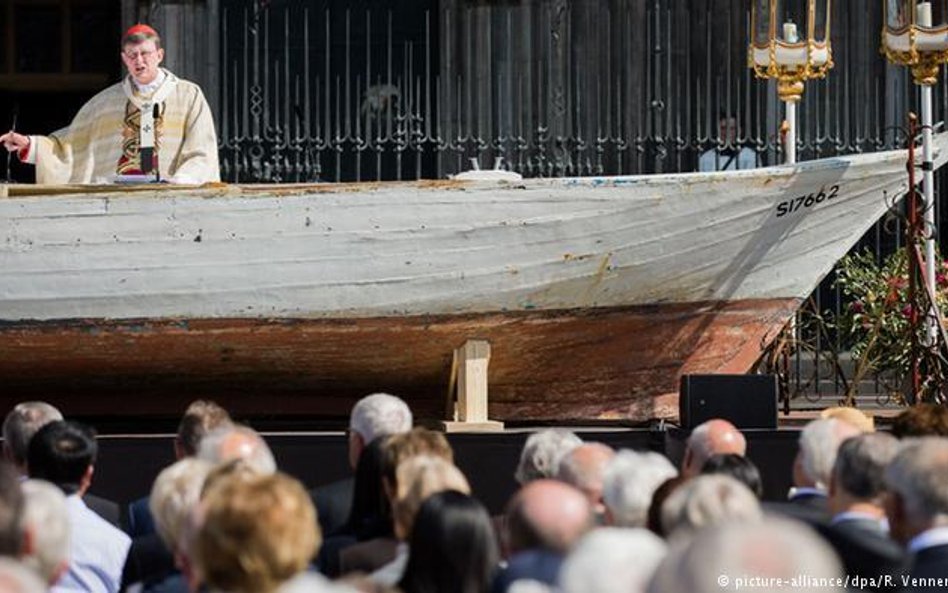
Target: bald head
585,467
238,442
547,514
714,437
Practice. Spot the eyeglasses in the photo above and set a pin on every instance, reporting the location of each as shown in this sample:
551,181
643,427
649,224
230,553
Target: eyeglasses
146,55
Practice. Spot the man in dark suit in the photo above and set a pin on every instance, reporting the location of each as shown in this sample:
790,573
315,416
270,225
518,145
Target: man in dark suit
812,468
373,416
19,426
917,508
200,418
858,530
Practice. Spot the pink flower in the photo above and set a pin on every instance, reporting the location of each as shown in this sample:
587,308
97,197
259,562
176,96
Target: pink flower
857,307
941,279
907,310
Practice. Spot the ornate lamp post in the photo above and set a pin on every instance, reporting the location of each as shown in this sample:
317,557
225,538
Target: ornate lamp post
912,38
790,42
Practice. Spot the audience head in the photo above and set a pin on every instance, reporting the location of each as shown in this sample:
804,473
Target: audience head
453,547
859,471
819,441
63,452
174,496
542,453
584,467
772,549
921,420
11,510
19,427
549,515
658,501
17,578
256,534
708,500
374,416
710,438
612,560
238,442
917,482
201,418
630,480
738,467
864,422
418,478
400,447
45,522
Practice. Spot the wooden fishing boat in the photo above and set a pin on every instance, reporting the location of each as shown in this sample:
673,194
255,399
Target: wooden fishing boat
595,294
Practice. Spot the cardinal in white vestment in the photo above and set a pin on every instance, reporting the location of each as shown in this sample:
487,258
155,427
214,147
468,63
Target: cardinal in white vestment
151,124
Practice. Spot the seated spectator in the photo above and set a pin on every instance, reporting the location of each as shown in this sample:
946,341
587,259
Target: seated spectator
452,546
738,467
545,520
237,442
372,417
711,438
812,470
20,425
858,530
584,467
917,508
630,480
728,155
705,501
155,560
64,453
200,418
45,524
418,478
612,560
256,534
541,454
771,550
370,515
921,420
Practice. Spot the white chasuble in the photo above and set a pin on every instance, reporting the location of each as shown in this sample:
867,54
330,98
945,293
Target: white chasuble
105,137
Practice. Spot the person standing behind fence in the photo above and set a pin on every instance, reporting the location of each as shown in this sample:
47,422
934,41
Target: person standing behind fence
728,155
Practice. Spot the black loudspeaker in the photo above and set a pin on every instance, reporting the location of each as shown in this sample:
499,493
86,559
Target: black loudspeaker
747,401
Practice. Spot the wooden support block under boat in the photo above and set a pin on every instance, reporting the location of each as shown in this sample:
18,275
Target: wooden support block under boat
470,369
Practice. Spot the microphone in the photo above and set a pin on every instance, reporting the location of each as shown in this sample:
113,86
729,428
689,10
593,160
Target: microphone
154,155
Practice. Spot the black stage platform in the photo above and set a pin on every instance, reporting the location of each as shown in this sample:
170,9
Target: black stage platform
128,464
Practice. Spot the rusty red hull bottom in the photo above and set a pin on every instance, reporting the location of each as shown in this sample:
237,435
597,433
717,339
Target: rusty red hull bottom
574,365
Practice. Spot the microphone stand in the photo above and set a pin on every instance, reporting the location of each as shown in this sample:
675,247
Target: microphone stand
16,112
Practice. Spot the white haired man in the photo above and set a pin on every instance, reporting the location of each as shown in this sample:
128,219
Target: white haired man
708,500
373,416
917,508
764,553
45,525
238,442
612,560
813,469
542,453
157,560
630,480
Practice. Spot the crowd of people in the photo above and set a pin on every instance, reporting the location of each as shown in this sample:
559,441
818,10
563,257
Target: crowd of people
868,511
